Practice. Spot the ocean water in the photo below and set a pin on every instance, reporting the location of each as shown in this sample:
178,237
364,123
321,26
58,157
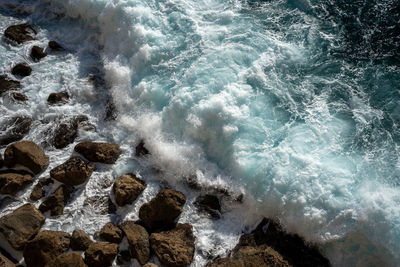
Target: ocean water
295,104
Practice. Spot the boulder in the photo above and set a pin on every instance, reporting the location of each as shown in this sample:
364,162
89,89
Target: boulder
141,150
13,182
45,247
18,97
21,225
8,85
67,130
72,259
163,209
14,129
5,262
138,240
38,191
21,69
100,254
55,202
102,205
55,46
111,233
174,247
28,154
74,171
58,98
209,204
99,152
37,53
20,33
80,240
127,188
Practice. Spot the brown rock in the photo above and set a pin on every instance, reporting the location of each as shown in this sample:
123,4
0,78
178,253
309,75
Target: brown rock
141,150
28,154
209,204
37,53
72,259
55,46
127,188
21,225
174,247
149,264
5,262
56,201
58,98
14,129
74,171
11,182
162,210
100,254
111,233
8,85
138,240
19,97
80,240
20,33
38,191
45,247
21,69
99,152
67,130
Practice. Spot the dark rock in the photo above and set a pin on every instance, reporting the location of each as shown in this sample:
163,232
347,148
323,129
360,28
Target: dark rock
1,161
141,150
5,262
162,210
111,233
138,240
101,254
127,188
101,204
45,247
38,191
174,247
209,204
55,46
74,171
8,85
111,111
14,129
58,98
20,33
21,225
72,259
19,97
37,53
99,152
80,240
123,256
11,183
21,69
66,131
55,202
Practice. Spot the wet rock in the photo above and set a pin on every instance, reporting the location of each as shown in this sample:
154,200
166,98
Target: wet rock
28,154
37,53
38,191
163,209
72,259
5,262
138,240
55,202
45,247
149,264
14,129
21,69
141,150
80,240
209,204
55,46
127,188
20,33
100,254
21,225
8,85
58,98
111,111
99,152
11,182
101,204
66,131
111,233
19,97
174,247
74,171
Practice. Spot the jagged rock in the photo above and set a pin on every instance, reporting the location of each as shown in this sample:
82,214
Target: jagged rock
45,247
149,264
100,254
74,171
80,240
111,233
5,262
141,150
66,131
28,154
55,46
38,191
19,97
20,33
8,85
21,225
21,69
209,204
56,201
37,53
101,204
174,247
13,182
72,259
163,209
138,240
58,98
99,152
127,188
14,129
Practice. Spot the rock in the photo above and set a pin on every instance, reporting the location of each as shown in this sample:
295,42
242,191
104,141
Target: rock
37,53
14,129
28,154
162,210
138,240
101,254
174,247
72,259
5,262
58,98
8,85
101,204
149,264
45,247
99,152
66,131
11,182
74,171
111,111
141,150
21,69
111,233
55,202
38,191
21,225
19,97
123,256
1,161
20,33
209,204
80,240
127,188
55,46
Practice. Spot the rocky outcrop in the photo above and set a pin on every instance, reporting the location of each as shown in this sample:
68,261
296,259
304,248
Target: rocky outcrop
13,182
45,247
99,152
80,240
28,154
20,33
8,85
55,46
67,130
138,240
141,150
55,202
111,233
37,53
14,129
58,98
162,210
209,204
21,69
100,254
100,204
127,188
74,171
21,225
174,247
73,259
5,262
38,191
